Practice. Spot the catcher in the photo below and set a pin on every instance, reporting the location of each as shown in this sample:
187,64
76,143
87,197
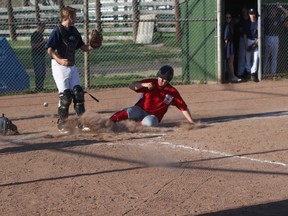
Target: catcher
63,42
157,96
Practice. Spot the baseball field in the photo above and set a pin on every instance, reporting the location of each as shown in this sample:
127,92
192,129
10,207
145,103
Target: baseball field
234,162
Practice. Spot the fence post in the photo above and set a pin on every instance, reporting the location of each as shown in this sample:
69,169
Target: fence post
220,57
37,11
98,15
61,5
186,71
86,40
135,17
26,3
12,29
177,23
115,17
125,17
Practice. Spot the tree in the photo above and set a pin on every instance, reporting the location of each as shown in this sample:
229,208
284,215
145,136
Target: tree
11,21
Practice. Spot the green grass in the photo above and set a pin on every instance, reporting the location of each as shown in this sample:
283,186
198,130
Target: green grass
121,53
110,55
100,82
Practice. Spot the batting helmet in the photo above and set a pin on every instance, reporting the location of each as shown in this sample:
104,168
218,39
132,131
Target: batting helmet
166,72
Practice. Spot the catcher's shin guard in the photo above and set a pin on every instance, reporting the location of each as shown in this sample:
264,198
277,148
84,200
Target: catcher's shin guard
78,100
65,101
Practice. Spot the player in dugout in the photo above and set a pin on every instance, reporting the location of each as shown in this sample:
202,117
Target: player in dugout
156,96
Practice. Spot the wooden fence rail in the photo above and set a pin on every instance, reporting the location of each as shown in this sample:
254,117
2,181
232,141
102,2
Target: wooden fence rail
119,18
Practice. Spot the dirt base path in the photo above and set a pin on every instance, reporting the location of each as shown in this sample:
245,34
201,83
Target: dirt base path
236,164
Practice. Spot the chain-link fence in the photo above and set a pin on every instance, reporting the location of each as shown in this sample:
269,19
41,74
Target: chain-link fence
139,37
275,40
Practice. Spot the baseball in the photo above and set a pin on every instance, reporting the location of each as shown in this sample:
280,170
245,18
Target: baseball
45,104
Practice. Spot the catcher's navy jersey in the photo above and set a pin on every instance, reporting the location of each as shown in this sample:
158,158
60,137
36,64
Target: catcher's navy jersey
65,44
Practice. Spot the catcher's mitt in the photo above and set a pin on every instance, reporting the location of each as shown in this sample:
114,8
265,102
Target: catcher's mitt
7,127
95,39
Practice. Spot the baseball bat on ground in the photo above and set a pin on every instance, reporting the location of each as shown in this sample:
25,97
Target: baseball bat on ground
91,96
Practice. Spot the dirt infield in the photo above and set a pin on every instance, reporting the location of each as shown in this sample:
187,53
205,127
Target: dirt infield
236,165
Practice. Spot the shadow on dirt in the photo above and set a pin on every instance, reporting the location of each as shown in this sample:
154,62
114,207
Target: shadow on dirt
205,121
240,117
70,176
202,120
266,209
27,147
46,146
33,117
138,164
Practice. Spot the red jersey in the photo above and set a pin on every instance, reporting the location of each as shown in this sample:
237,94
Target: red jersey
157,100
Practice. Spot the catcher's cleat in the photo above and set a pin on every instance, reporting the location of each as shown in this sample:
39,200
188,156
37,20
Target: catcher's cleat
83,128
63,131
60,126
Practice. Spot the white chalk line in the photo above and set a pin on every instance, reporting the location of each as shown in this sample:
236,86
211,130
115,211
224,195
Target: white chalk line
197,149
223,154
173,145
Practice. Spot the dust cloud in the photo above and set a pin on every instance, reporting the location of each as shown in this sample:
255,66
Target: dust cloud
101,124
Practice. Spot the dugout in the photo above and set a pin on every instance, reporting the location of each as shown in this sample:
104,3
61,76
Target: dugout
201,41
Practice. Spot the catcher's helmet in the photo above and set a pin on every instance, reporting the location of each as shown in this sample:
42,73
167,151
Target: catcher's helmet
166,72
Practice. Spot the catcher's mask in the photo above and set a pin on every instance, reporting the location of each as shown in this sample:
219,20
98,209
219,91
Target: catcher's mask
7,127
166,72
